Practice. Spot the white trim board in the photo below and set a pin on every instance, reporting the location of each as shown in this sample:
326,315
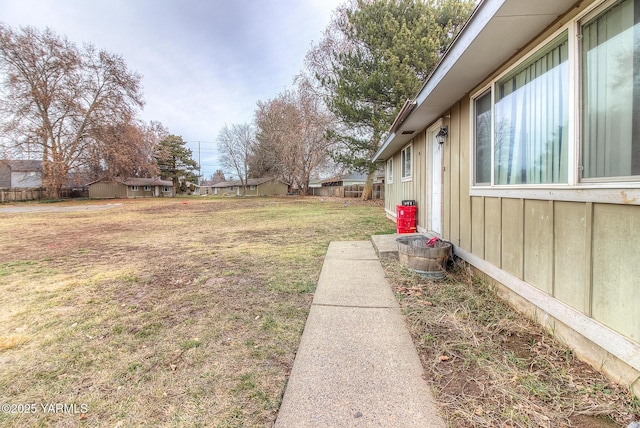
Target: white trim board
604,195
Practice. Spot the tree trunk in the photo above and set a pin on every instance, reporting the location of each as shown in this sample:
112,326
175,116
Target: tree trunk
54,177
367,192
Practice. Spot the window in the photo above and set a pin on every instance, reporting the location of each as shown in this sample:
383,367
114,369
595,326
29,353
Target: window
147,188
532,120
166,189
406,160
482,124
610,92
134,188
569,113
390,171
253,187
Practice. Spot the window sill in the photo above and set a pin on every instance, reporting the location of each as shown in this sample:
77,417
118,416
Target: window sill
610,193
405,179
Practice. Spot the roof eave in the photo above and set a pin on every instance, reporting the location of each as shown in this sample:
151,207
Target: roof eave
478,50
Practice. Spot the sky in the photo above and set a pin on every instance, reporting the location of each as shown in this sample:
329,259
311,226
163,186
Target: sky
204,63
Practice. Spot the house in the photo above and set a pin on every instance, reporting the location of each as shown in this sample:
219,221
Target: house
206,189
19,174
130,188
351,179
537,180
255,187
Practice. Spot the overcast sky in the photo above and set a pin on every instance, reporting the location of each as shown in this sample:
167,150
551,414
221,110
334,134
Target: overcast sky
205,63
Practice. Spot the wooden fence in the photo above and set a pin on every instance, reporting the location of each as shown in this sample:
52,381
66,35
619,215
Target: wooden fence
36,194
354,191
9,195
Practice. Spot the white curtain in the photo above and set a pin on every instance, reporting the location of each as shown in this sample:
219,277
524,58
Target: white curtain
482,111
608,93
531,119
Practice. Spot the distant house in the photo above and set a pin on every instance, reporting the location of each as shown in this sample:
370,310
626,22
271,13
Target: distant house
18,174
255,187
349,185
206,189
351,179
130,188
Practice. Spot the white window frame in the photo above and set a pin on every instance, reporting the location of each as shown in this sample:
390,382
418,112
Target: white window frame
586,190
390,171
147,188
134,188
403,163
252,187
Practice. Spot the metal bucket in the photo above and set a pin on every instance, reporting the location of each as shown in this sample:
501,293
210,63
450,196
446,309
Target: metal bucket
429,261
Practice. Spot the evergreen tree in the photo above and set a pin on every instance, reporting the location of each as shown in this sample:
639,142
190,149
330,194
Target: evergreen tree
176,162
376,55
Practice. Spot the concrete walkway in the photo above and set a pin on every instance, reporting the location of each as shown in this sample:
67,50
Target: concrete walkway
356,365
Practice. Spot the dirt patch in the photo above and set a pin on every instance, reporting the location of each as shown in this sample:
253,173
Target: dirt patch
491,367
55,208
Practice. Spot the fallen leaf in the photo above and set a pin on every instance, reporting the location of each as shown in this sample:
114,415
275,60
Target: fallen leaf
444,358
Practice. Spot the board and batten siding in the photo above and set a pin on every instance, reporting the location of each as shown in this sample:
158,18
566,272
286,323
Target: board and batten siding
583,256
271,188
107,190
566,256
400,189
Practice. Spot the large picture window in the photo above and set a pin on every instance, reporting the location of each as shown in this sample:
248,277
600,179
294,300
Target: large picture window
531,119
570,112
611,93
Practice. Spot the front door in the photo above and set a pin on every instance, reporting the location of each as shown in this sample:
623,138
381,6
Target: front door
434,175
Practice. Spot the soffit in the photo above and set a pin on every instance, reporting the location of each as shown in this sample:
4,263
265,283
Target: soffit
496,31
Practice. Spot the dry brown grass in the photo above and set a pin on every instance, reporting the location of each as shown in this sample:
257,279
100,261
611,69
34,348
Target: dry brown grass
491,367
163,313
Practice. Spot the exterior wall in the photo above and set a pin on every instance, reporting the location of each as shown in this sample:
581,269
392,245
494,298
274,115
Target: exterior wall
19,179
107,190
26,179
566,258
168,193
579,256
271,188
5,175
111,190
413,189
250,192
140,193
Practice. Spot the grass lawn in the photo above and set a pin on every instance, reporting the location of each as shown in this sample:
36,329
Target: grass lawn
489,366
164,312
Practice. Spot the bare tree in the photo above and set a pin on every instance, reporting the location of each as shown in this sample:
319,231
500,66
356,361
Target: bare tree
126,150
236,146
217,177
292,135
57,100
